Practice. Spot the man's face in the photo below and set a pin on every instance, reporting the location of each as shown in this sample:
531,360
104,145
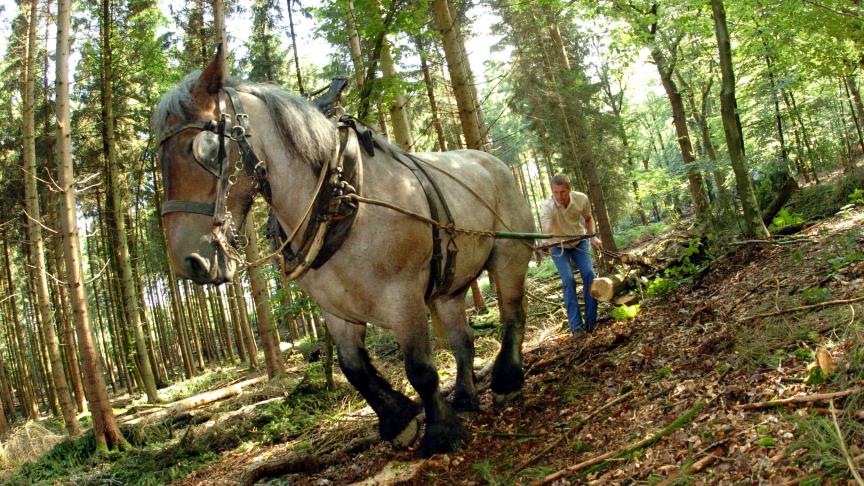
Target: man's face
561,193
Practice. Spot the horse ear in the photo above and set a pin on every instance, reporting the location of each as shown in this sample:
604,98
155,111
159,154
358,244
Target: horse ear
212,78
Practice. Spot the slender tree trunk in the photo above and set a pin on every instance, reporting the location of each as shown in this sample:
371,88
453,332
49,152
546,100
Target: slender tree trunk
859,106
105,429
849,84
459,70
25,389
248,337
294,47
125,273
261,297
754,227
398,110
34,231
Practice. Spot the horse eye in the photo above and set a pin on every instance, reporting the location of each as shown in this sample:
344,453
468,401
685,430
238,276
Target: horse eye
205,147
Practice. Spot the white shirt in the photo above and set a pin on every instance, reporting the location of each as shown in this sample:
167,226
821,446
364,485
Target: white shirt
556,219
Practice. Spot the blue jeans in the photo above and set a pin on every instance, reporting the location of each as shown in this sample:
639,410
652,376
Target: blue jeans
565,259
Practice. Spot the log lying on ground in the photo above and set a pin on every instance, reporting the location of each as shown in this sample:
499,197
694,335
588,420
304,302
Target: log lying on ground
604,289
197,401
302,462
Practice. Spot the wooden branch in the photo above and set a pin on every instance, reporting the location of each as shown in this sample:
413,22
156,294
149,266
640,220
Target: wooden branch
304,462
819,397
801,308
696,466
531,460
624,451
852,466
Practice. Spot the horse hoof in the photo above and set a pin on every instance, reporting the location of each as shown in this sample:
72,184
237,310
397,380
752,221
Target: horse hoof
443,438
500,400
404,439
466,403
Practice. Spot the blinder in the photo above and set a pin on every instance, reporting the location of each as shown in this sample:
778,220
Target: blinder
205,150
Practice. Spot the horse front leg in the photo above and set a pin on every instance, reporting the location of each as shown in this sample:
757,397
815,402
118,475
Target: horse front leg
396,412
444,430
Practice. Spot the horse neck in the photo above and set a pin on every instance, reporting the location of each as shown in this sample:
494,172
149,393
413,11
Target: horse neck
292,181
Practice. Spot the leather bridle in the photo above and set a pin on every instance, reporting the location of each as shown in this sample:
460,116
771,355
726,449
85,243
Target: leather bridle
210,151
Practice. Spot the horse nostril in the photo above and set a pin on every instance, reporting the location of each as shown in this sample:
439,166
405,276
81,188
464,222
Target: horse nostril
197,266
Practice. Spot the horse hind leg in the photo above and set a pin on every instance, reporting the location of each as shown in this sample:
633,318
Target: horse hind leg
451,311
509,276
445,432
396,412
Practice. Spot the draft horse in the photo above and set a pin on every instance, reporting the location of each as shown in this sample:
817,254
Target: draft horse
388,269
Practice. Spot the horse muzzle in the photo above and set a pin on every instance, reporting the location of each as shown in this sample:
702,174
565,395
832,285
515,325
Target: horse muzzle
216,270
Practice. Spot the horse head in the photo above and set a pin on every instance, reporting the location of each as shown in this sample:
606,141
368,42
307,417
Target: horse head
205,200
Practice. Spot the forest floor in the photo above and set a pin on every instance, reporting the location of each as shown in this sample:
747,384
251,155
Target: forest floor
670,396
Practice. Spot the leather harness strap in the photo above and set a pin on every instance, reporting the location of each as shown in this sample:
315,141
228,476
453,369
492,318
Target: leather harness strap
441,266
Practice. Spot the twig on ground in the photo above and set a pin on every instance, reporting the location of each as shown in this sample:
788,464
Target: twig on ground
541,299
624,451
531,460
302,462
801,308
852,466
696,466
804,399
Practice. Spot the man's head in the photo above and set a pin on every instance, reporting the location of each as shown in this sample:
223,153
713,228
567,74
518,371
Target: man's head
561,190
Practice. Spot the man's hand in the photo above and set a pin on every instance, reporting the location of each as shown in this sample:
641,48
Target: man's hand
596,242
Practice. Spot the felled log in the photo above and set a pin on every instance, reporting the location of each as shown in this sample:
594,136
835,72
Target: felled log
605,288
197,401
786,190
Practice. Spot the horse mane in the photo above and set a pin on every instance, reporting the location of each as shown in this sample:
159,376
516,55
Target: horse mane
305,130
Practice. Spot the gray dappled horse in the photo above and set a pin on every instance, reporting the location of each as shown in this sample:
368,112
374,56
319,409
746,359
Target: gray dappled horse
381,272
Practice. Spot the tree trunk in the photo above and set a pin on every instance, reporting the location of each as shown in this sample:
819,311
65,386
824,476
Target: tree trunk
127,283
398,110
300,87
459,69
34,231
754,227
26,393
248,337
261,297
105,430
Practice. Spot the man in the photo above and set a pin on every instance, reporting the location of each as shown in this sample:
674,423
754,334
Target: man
563,215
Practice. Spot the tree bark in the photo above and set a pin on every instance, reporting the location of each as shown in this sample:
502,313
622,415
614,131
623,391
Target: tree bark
34,231
261,297
754,227
126,276
105,430
459,69
398,110
248,337
26,394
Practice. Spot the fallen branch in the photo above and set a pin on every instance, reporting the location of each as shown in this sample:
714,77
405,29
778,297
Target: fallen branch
851,463
531,460
197,401
819,397
603,459
696,467
801,308
304,462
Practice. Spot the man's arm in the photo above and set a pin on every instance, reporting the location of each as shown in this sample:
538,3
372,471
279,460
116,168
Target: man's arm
589,228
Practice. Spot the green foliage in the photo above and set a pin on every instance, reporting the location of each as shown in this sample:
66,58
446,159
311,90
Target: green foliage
487,472
784,218
661,287
624,312
816,295
546,269
857,197
664,372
